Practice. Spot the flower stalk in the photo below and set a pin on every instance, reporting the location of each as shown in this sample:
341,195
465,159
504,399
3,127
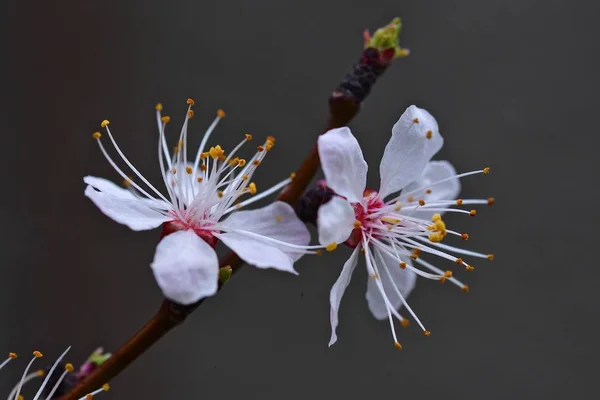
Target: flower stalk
344,104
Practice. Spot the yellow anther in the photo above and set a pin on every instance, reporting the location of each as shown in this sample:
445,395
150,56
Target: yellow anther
104,123
375,276
203,167
430,227
222,157
491,201
241,162
459,202
429,134
106,387
473,213
390,220
459,261
416,120
69,367
464,236
278,218
269,146
410,199
440,225
20,397
292,175
204,155
397,206
436,217
190,102
331,246
89,396
165,119
127,182
398,346
174,171
490,257
436,237
271,139
405,323
248,137
190,113
421,203
486,170
469,268
96,135
200,180
188,170
13,355
426,333
357,224
220,193
260,148
216,152
40,372
362,250
465,289
252,188
416,252
448,274
245,177
37,354
158,107
234,161
256,162
443,279
428,191
319,252
220,113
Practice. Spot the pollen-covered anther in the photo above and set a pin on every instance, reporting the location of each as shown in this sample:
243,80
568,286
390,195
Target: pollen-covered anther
96,135
436,217
203,167
89,396
436,237
405,323
69,367
106,387
443,279
234,161
459,202
490,257
473,213
426,333
429,134
397,206
220,113
469,268
220,193
319,252
403,265
398,346
37,354
278,218
158,107
464,236
190,113
411,199
260,148
12,355
174,171
465,288
190,101
357,224
200,180
165,119
256,162
448,274
331,246
245,177
459,261
248,137
421,202
216,152
491,201
252,188
40,372
416,120
188,170
486,170
20,397
104,123
362,250
292,175
428,191
127,182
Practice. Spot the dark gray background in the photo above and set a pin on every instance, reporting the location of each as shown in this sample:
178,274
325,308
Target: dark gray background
513,85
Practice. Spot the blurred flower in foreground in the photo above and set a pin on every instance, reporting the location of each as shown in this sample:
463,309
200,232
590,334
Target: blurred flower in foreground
391,233
199,194
55,386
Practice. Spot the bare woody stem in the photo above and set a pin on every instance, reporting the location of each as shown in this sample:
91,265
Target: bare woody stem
344,104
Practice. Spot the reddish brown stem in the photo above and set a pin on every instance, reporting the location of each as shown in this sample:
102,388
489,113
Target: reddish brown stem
343,106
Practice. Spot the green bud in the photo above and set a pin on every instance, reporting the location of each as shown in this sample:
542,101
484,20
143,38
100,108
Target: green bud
387,38
224,274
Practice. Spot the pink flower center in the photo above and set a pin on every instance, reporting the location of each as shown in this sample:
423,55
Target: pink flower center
374,203
179,225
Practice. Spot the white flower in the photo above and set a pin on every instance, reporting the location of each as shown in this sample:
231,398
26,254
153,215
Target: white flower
43,389
199,194
391,233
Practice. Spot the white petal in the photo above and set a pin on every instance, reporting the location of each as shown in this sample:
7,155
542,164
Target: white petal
408,150
448,190
108,187
338,289
276,221
404,279
258,253
185,267
133,212
343,164
335,221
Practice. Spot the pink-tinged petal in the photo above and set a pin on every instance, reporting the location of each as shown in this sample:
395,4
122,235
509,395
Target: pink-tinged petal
132,212
343,164
403,279
335,221
258,253
428,191
185,267
415,139
338,289
276,221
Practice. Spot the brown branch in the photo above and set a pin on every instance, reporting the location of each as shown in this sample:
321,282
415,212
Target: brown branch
344,104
